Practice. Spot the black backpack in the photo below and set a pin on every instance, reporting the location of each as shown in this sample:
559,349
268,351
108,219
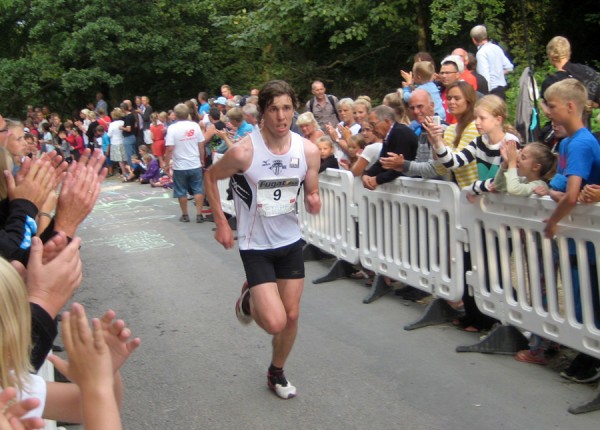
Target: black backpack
588,77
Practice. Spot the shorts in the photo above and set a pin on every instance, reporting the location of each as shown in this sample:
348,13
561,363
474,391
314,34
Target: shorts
117,153
185,180
268,265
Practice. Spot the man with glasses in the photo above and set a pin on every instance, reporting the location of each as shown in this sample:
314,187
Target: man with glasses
397,139
452,68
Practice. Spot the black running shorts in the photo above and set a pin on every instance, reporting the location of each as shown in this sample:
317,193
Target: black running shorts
268,265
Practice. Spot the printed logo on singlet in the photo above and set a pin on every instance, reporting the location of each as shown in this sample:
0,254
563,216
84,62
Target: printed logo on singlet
277,167
294,163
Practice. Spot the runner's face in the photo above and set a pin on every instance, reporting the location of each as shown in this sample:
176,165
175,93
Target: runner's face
278,115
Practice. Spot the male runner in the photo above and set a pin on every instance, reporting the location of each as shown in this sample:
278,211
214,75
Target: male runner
267,169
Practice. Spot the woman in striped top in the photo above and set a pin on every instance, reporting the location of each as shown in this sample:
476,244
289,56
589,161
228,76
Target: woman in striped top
461,103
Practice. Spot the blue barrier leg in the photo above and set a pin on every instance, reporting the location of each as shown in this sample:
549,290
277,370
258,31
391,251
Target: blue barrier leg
340,269
591,405
504,339
378,289
437,312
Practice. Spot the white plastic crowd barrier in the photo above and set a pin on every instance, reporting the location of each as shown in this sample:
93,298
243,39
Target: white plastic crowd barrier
525,280
334,228
417,231
409,231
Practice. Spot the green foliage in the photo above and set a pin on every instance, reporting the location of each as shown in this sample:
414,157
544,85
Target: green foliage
451,17
60,52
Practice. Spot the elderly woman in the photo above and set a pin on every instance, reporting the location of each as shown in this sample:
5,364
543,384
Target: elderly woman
309,127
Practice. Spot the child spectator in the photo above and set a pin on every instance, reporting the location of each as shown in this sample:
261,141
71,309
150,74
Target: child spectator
371,151
519,174
31,145
578,165
328,159
158,131
356,144
422,77
522,172
152,173
65,147
47,144
490,117
79,145
59,400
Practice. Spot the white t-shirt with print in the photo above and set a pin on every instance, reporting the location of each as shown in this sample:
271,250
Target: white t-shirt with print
185,136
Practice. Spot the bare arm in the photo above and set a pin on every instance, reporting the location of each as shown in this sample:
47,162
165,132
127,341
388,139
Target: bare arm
564,206
359,167
236,160
312,201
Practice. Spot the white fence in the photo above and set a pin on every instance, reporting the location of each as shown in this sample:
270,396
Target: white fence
409,231
417,231
532,286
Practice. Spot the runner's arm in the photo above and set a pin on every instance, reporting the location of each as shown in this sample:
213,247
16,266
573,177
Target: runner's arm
235,160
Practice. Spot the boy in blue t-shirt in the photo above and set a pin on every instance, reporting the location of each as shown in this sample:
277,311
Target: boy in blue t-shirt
579,153
578,165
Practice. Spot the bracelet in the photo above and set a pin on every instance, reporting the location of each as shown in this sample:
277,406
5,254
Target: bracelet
40,214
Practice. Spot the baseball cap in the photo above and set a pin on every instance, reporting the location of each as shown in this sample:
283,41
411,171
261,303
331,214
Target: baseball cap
221,101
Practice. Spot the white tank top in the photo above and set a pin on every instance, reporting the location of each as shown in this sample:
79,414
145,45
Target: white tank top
265,195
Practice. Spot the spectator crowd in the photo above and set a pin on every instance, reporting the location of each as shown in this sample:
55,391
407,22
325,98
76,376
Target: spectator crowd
446,121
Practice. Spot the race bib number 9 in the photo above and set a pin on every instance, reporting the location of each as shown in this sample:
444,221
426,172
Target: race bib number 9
277,196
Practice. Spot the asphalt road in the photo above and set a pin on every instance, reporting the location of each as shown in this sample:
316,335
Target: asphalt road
354,365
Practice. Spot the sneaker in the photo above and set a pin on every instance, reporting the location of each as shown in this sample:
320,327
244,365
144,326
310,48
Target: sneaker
281,386
184,218
242,306
531,356
589,373
579,362
199,219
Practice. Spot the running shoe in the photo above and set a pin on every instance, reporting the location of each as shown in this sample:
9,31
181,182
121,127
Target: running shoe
281,386
589,373
242,306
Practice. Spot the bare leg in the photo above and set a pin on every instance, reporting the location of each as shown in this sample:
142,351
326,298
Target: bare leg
275,308
199,198
183,204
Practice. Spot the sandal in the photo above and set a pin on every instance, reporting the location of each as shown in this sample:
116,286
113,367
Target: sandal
527,356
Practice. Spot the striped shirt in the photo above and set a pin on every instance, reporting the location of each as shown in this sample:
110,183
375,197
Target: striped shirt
486,154
466,175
